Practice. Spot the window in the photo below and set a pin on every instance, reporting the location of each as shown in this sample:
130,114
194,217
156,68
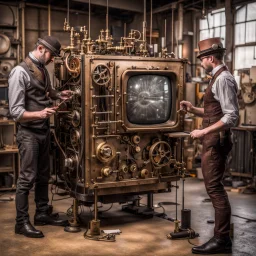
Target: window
245,36
214,25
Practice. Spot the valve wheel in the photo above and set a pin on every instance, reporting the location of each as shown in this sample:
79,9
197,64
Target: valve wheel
101,75
160,153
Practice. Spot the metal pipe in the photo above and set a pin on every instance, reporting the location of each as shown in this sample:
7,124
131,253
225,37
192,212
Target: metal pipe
89,29
49,19
144,22
18,34
68,13
165,33
95,204
107,17
125,29
172,50
23,28
151,21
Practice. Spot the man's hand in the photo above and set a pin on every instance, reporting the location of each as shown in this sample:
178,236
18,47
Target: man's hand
46,113
197,134
65,95
186,105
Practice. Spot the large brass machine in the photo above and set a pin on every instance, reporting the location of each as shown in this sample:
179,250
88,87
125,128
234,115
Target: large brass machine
114,134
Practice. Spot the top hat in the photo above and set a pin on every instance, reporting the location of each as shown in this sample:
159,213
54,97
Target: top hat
51,43
210,46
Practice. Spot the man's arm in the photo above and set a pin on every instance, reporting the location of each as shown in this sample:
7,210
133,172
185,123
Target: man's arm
35,115
187,106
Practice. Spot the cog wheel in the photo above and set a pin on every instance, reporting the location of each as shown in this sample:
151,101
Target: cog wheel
101,75
160,154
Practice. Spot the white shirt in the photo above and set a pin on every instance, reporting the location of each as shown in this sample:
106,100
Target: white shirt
224,90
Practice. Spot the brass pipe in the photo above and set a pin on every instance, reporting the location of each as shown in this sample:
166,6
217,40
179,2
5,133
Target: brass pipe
172,50
49,19
95,204
22,5
151,21
165,33
89,29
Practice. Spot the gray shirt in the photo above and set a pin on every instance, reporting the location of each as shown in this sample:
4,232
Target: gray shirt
18,81
224,90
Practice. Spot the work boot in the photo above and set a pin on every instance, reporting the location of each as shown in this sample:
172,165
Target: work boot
213,246
44,218
28,230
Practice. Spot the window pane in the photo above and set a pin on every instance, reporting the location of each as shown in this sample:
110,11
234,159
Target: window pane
251,11
204,34
217,32
203,24
250,32
222,19
216,19
211,33
244,57
239,33
210,20
240,14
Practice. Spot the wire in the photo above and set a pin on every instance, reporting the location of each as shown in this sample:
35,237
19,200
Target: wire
248,220
107,209
192,243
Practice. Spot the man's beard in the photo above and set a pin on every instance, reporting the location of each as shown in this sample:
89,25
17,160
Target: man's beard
208,69
43,61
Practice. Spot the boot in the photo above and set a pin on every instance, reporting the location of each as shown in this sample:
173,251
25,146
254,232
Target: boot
44,218
28,230
213,246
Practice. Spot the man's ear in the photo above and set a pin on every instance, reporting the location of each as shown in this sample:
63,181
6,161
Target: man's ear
40,48
211,58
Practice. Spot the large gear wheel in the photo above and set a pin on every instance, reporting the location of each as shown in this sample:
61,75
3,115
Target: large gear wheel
101,75
160,154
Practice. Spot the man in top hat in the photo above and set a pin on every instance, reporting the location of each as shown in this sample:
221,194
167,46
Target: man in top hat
30,105
220,112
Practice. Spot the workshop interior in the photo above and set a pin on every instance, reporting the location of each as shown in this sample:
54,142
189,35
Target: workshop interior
122,139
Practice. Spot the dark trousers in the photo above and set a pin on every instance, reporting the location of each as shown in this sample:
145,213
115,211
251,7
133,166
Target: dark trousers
33,147
213,166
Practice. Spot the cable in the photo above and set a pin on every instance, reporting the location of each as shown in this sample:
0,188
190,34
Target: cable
192,243
248,220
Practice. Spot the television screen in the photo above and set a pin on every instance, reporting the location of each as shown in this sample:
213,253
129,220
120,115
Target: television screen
149,99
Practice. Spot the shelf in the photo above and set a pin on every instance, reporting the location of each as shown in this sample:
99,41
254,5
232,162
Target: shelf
8,188
8,26
9,151
6,122
6,169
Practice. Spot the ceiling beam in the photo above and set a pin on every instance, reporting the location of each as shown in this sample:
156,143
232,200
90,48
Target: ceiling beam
131,5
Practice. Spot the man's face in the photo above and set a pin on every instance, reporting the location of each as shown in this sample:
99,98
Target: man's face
206,63
45,57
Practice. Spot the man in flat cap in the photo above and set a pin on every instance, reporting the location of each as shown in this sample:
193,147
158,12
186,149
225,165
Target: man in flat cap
30,105
220,112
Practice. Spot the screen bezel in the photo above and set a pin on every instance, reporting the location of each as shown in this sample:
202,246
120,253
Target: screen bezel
172,121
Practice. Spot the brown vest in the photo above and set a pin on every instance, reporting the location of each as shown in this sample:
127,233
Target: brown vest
212,108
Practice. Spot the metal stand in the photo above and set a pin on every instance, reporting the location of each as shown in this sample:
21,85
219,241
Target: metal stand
74,225
185,230
95,233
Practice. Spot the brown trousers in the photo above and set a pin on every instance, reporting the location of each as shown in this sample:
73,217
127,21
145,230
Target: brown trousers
214,157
